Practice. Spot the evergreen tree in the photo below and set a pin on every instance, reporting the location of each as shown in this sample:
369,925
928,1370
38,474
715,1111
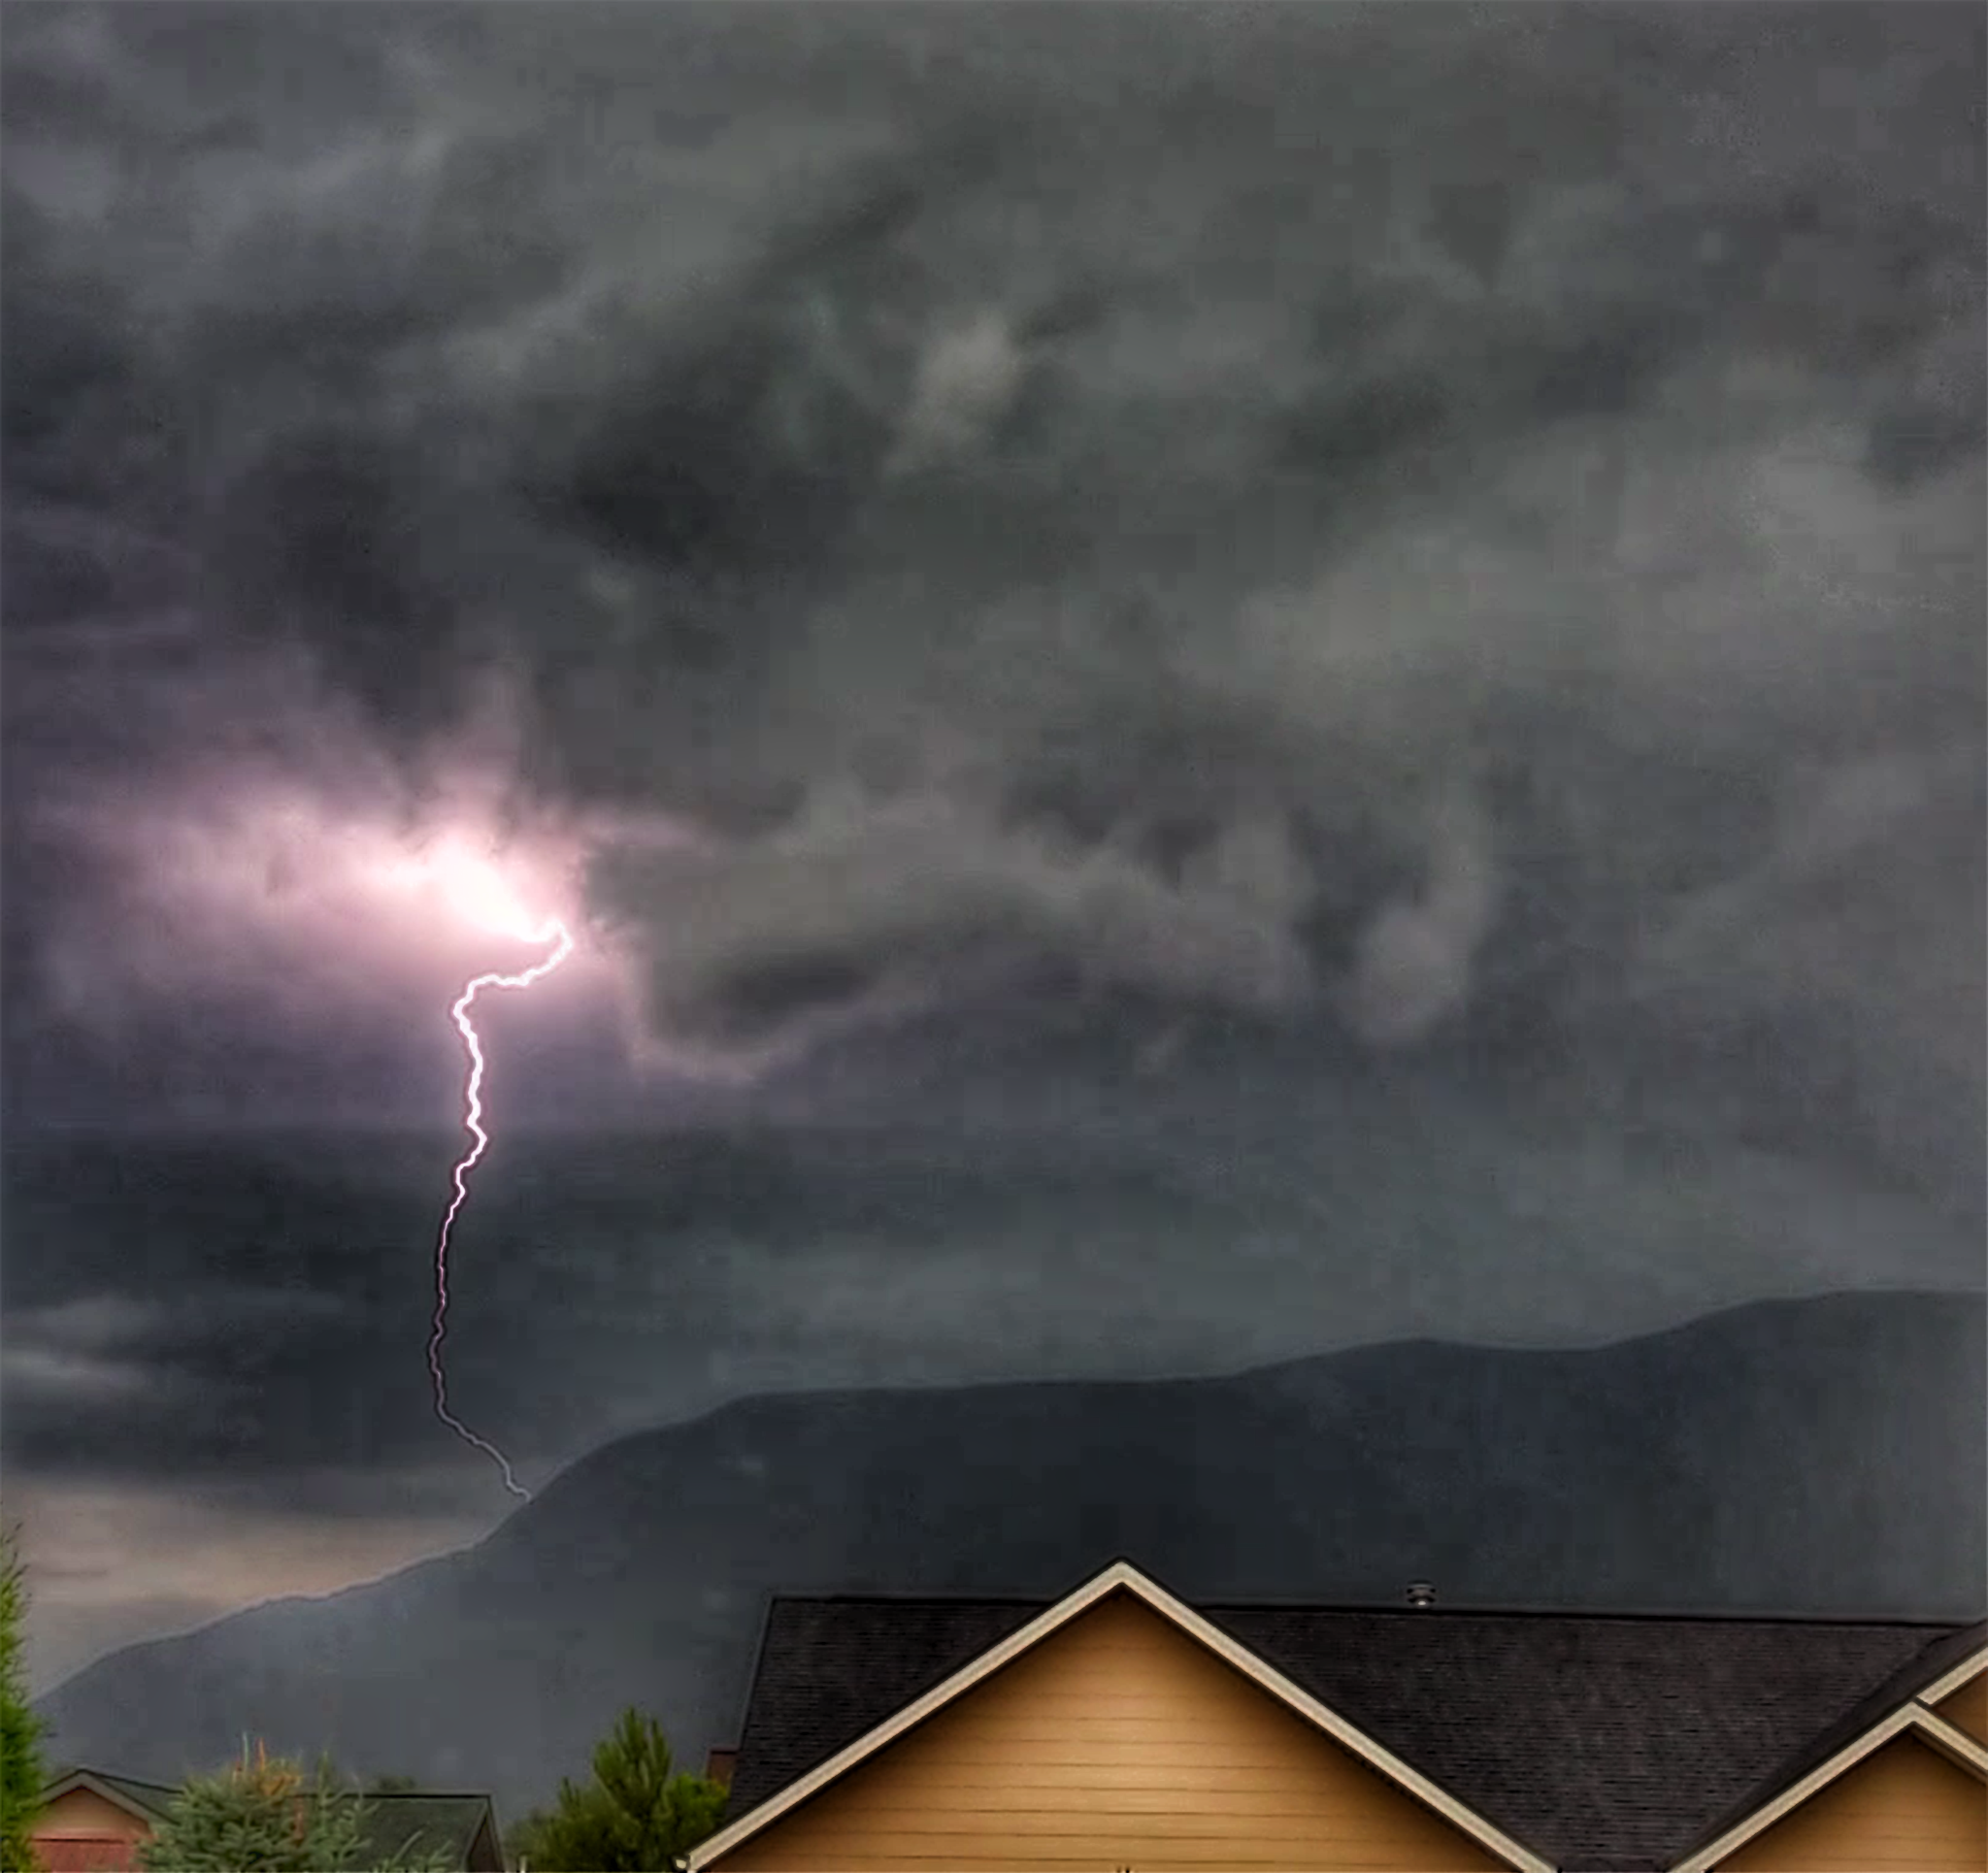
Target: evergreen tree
263,1815
21,1775
254,1817
634,1816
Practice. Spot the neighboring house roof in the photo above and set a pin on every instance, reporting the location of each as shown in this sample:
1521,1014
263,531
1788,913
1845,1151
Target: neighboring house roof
430,1823
146,1800
1900,1706
1601,1741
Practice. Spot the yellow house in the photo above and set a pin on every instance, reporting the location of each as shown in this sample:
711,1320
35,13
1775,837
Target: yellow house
1121,1728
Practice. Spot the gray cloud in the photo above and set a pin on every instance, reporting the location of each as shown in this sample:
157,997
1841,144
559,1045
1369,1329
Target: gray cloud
1021,506
1380,605
943,480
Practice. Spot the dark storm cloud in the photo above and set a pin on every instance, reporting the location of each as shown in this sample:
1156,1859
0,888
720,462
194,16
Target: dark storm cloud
993,476
1380,608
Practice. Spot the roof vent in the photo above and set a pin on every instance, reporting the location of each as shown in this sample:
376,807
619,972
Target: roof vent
1421,1594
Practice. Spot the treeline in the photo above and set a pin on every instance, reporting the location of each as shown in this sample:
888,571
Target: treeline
635,1813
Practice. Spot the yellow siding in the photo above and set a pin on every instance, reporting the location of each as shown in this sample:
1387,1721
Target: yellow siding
1967,1708
1905,1809
1116,1742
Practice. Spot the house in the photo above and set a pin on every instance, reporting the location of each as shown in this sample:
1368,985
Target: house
94,1823
1122,1729
462,1826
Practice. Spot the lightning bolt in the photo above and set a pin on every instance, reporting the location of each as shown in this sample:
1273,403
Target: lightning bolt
561,939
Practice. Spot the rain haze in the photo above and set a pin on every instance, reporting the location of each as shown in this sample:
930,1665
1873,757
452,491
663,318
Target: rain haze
1203,683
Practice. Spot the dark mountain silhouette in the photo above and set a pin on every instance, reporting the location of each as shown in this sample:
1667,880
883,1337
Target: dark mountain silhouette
1819,1455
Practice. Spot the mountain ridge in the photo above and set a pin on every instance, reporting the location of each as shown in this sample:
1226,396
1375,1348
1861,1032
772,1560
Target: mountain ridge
1821,1457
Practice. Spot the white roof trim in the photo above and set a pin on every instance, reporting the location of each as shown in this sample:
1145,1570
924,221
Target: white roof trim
1956,1745
1122,1576
1944,1687
1951,1741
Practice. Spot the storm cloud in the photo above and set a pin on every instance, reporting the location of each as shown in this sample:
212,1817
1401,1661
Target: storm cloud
1371,612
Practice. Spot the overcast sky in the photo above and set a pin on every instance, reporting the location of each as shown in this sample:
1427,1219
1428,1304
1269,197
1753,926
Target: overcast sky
1203,683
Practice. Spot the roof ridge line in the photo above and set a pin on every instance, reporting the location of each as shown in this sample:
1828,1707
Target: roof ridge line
1931,1624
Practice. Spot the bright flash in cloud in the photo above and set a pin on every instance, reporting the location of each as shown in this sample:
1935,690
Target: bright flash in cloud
449,875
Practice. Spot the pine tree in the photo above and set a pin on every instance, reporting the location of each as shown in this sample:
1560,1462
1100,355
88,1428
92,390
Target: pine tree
634,1816
263,1815
256,1816
21,1775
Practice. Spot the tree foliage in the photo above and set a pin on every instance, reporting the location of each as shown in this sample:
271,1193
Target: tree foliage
21,1774
263,1815
255,1814
634,1816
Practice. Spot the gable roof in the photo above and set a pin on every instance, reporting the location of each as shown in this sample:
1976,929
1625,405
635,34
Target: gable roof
146,1800
1560,1731
1899,1707
1122,1578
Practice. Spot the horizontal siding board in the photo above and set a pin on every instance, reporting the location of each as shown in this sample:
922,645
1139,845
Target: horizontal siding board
1214,1806
1150,1826
1153,1823
1129,1720
1128,1735
1155,1726
971,1781
1085,1703
1242,1861
1149,1862
1092,1858
1081,1767
1107,1852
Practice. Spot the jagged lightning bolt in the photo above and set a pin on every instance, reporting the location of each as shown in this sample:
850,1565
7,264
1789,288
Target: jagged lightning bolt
561,938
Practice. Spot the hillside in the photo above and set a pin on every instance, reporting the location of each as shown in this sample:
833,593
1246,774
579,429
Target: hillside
1816,1455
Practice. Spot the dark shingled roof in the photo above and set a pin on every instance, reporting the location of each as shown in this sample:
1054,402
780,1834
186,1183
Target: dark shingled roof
426,1824
1927,1667
1604,1742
